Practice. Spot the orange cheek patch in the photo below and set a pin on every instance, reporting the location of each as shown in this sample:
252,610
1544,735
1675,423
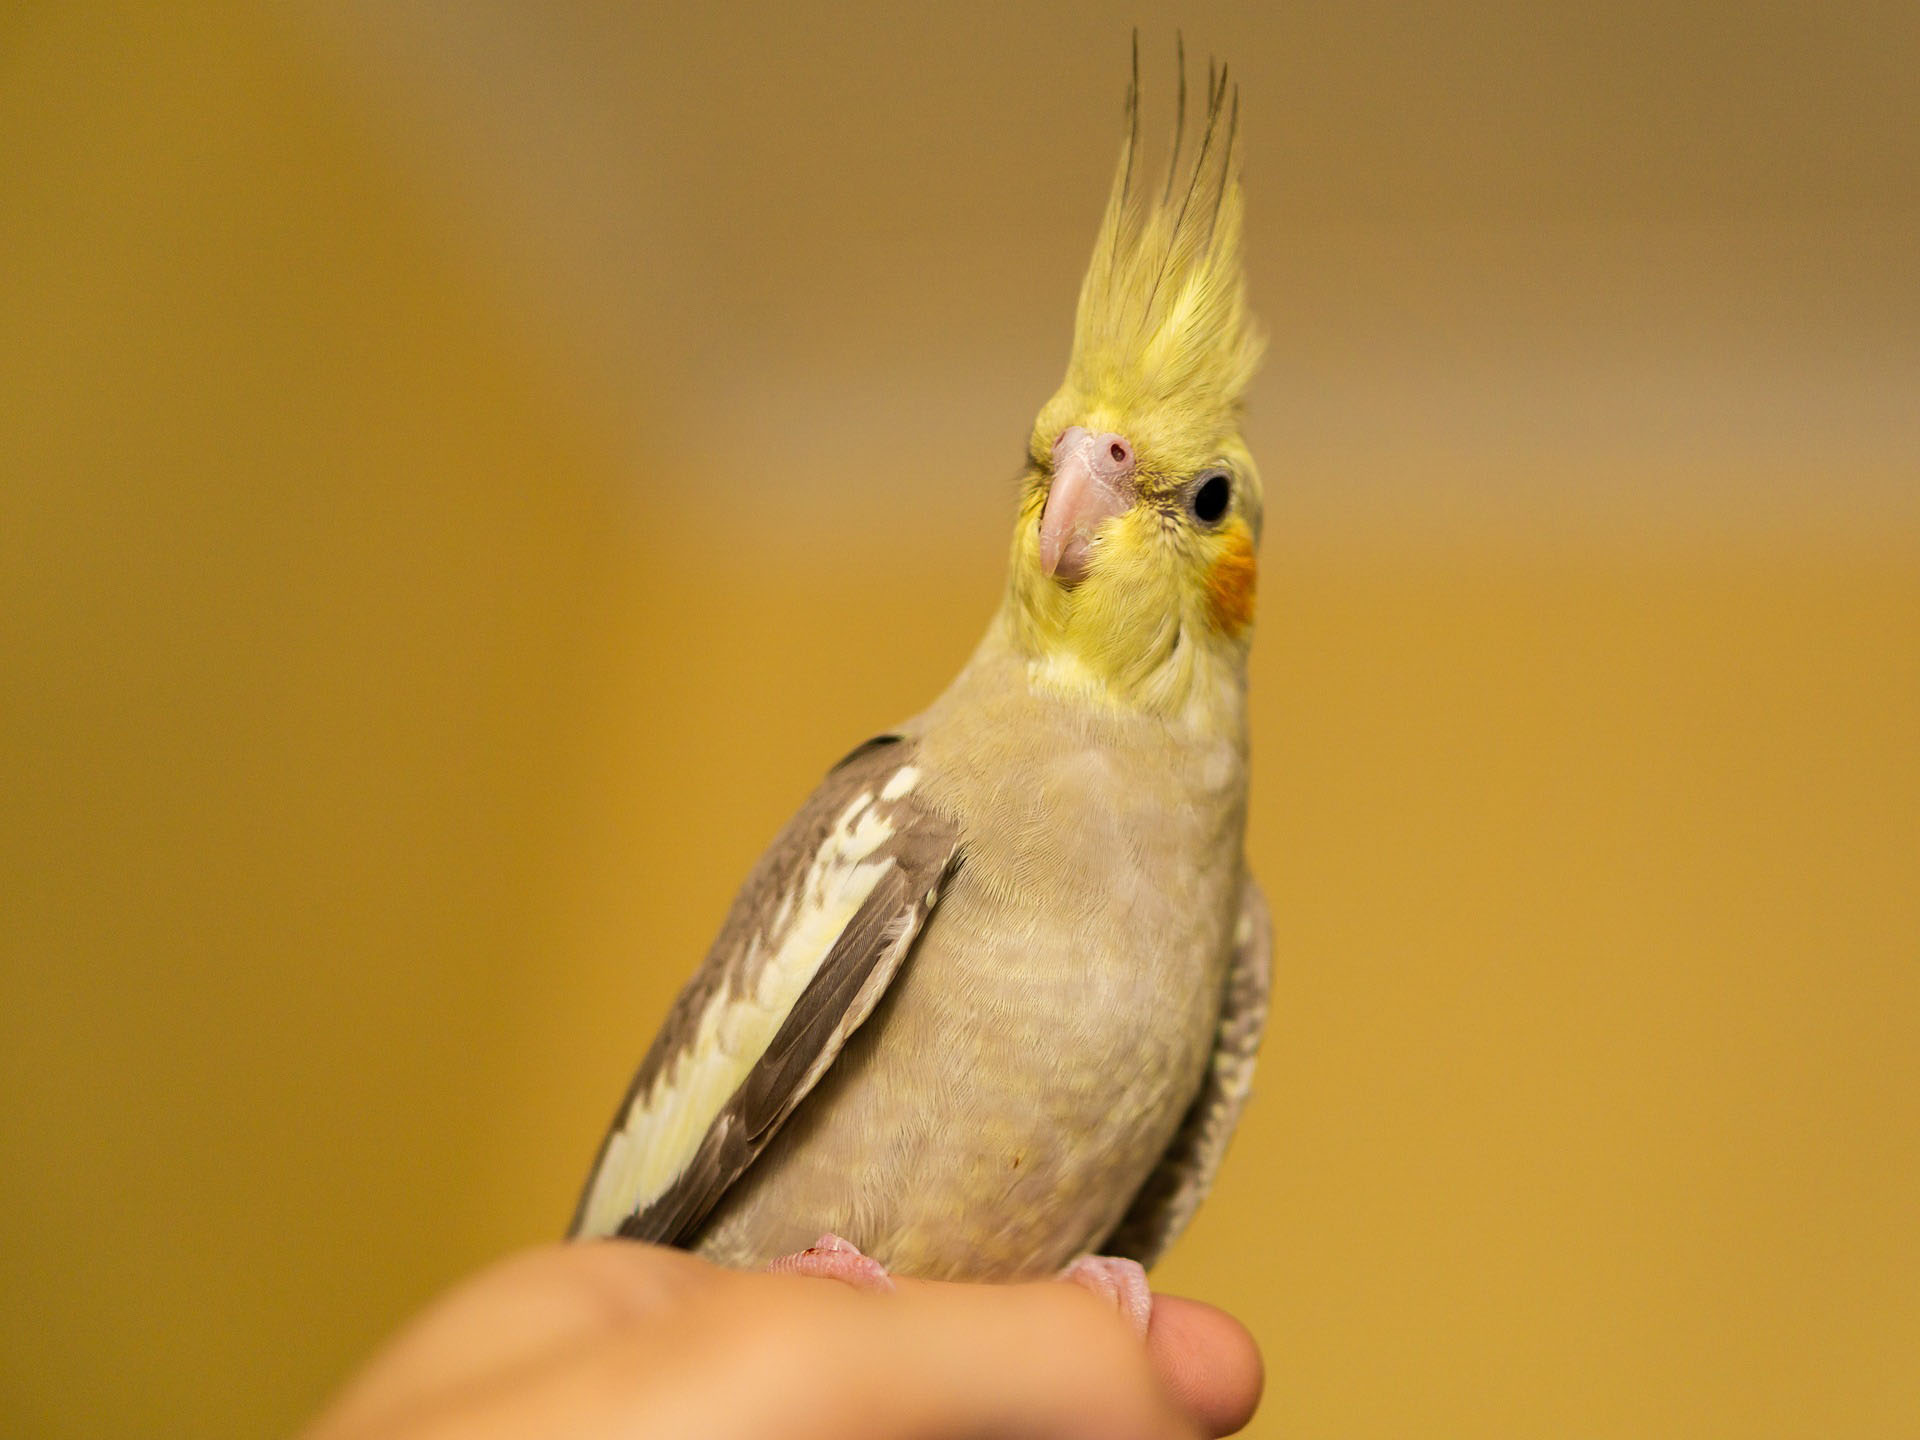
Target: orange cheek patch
1230,586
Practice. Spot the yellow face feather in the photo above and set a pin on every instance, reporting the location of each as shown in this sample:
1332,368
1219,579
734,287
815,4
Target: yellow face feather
1164,348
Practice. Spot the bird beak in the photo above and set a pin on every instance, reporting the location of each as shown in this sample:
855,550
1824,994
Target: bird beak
1093,481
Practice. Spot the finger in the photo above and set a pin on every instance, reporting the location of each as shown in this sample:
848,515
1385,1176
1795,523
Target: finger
1209,1362
627,1339
754,1356
942,1359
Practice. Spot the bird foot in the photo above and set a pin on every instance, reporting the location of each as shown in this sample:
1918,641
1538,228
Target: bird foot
832,1258
1121,1282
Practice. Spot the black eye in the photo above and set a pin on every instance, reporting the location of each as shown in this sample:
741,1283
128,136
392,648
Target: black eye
1211,497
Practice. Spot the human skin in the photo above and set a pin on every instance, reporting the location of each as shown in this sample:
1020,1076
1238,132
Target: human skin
616,1340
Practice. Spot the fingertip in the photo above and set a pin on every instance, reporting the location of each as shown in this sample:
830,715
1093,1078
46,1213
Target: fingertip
1208,1360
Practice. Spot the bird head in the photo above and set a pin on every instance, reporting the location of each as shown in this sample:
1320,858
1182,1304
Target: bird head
1133,564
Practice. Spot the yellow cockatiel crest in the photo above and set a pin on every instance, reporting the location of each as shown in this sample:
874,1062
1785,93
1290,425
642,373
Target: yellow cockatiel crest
1134,564
1163,336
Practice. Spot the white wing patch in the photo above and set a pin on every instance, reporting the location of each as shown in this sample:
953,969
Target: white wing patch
664,1126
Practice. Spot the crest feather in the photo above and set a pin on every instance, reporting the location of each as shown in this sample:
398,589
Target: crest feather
1163,335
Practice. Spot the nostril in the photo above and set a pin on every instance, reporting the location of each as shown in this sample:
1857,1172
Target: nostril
1119,452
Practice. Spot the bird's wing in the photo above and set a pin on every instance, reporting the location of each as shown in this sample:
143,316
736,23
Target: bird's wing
814,938
1180,1182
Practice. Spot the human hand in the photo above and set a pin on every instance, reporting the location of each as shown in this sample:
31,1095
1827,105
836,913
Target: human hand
616,1339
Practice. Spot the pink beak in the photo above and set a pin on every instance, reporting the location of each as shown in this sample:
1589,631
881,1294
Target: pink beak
1092,483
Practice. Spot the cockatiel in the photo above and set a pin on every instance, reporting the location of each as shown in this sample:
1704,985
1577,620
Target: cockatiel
988,1006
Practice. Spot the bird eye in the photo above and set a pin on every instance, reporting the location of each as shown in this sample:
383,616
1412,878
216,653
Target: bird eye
1210,497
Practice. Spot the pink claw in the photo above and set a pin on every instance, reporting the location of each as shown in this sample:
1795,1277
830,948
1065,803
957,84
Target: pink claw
1123,1282
832,1258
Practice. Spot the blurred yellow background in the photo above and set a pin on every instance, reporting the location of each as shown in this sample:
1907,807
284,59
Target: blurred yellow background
465,471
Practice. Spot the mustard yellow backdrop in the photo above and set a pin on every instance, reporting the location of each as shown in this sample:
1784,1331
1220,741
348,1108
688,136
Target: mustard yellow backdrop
464,471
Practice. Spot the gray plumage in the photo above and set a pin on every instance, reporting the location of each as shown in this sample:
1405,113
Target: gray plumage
1059,1055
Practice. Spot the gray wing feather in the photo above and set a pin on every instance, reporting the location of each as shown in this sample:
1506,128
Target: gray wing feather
1180,1182
858,965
